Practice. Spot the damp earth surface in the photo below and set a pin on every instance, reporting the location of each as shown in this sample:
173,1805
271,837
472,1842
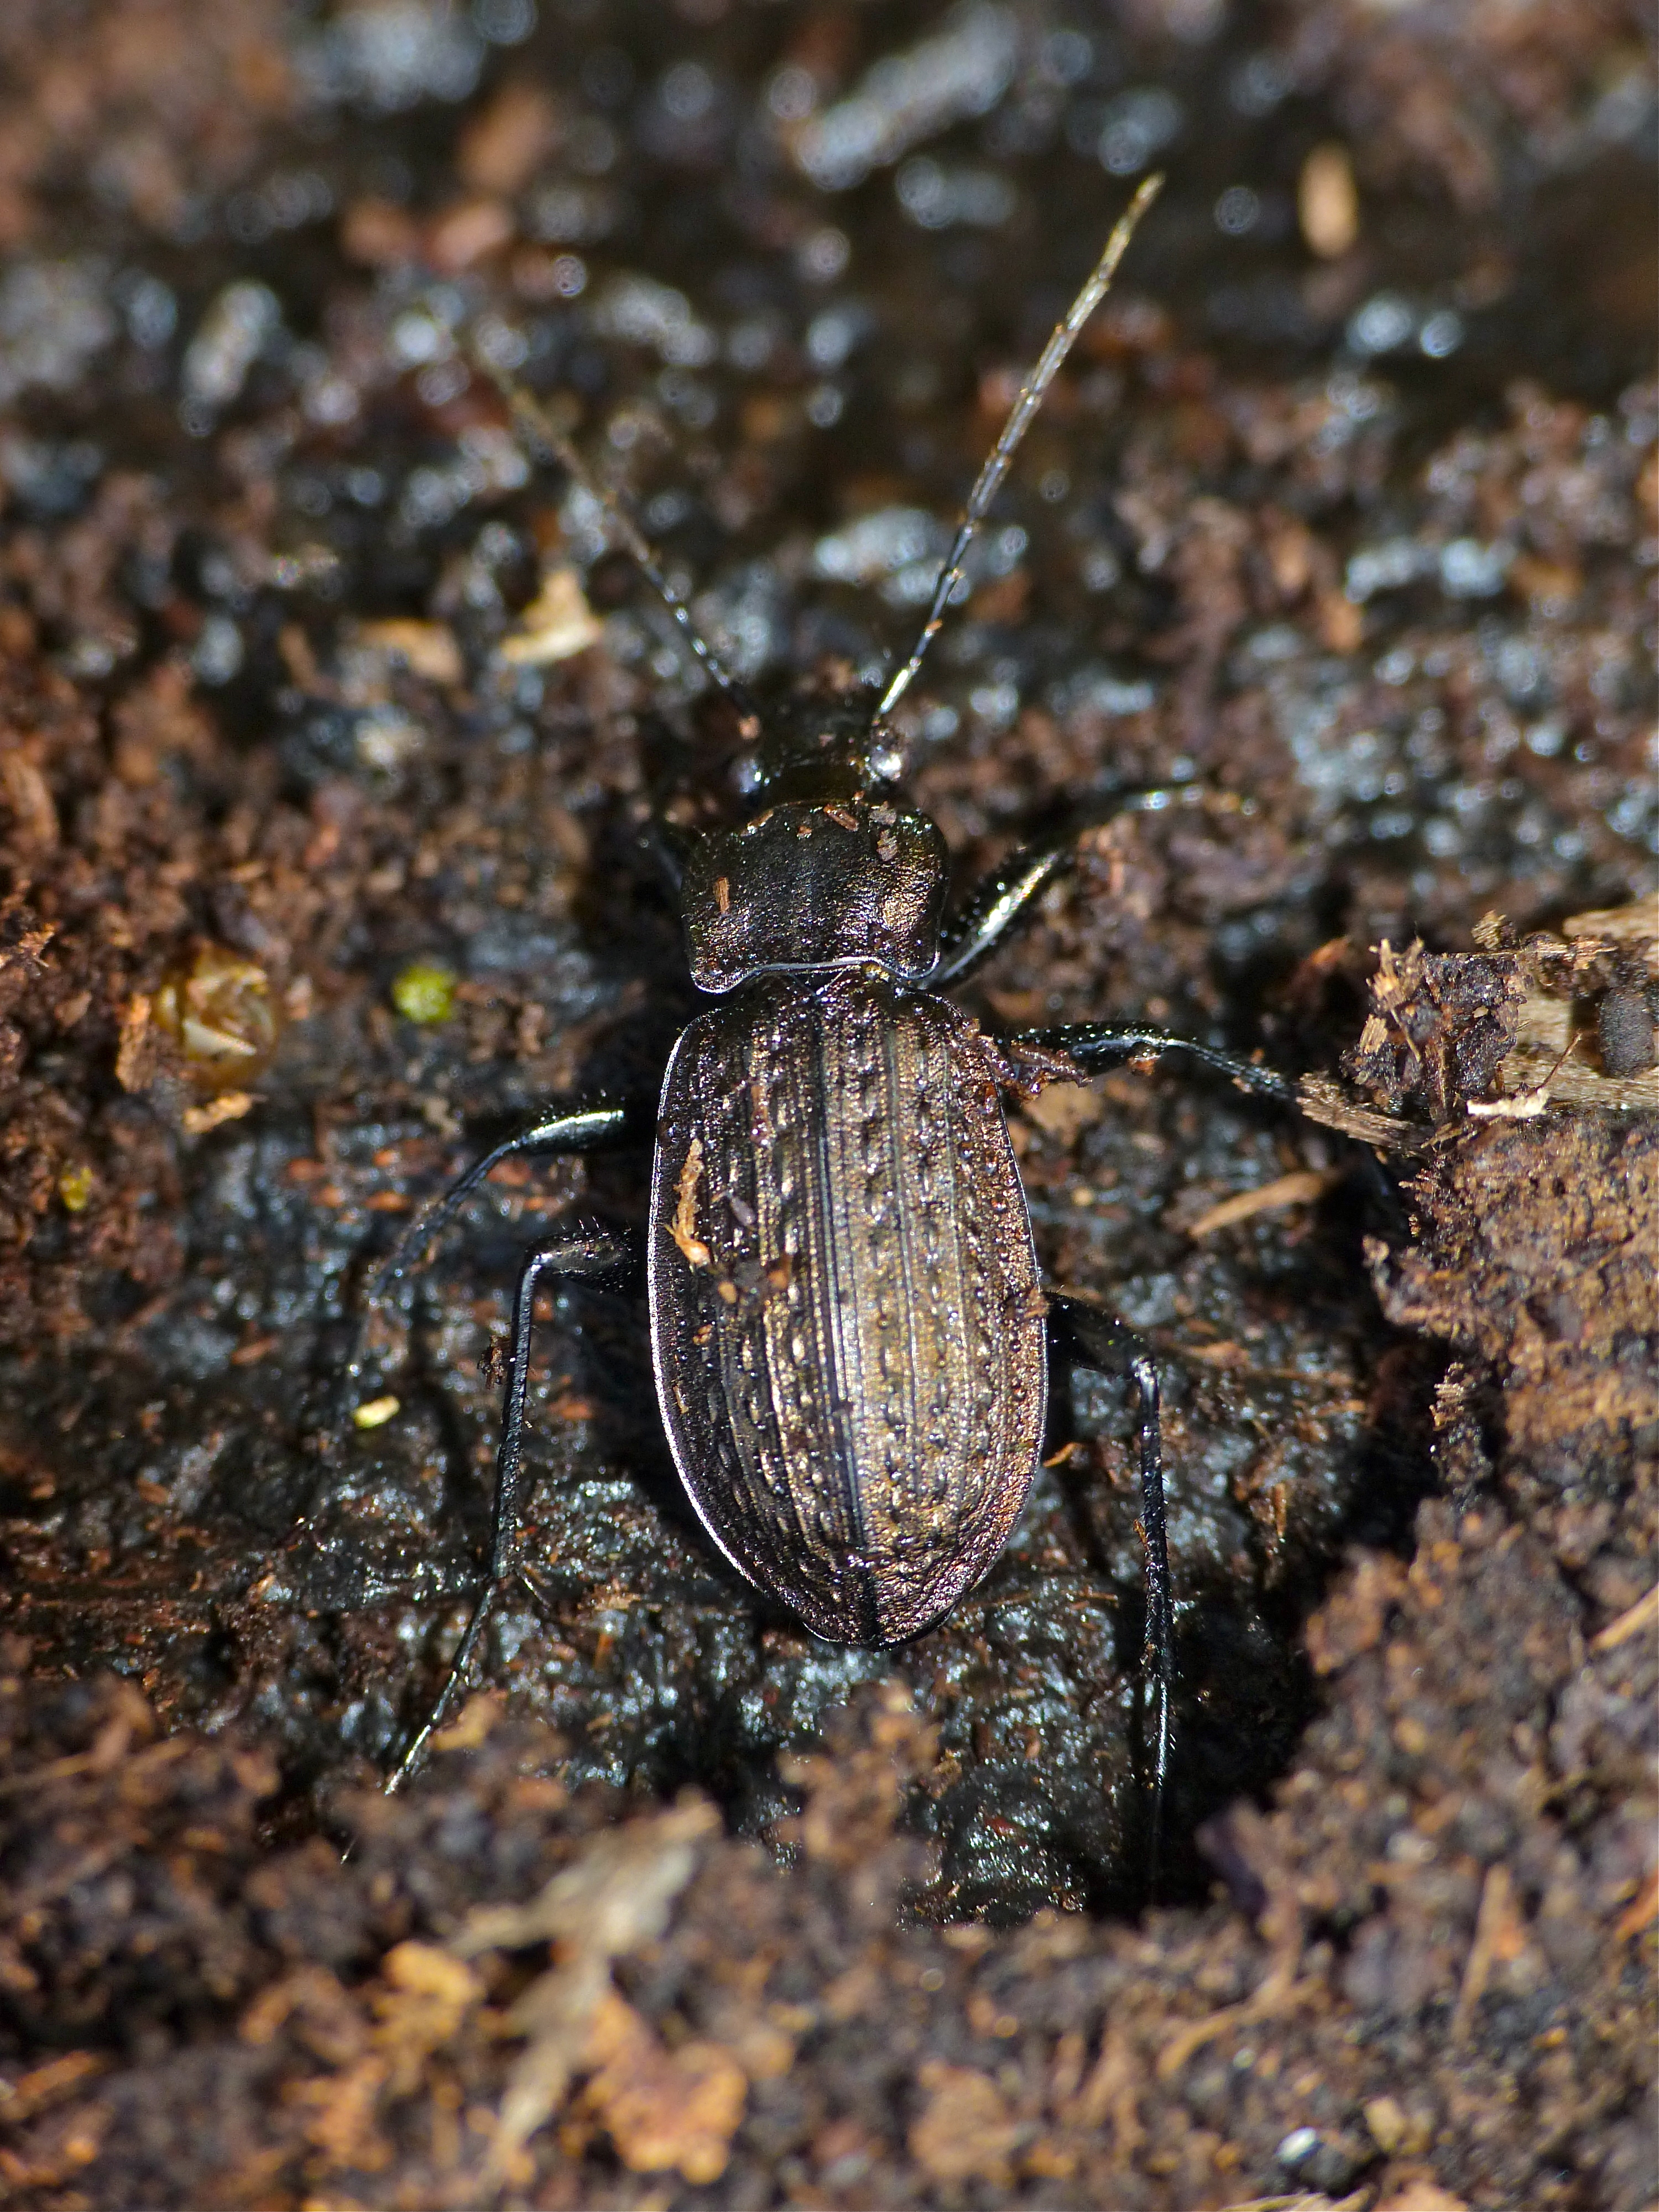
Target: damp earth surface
330,724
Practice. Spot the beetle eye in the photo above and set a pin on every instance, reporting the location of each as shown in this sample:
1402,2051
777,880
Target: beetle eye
886,761
746,774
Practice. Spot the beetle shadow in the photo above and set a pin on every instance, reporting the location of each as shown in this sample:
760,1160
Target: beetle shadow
1243,1692
1080,1479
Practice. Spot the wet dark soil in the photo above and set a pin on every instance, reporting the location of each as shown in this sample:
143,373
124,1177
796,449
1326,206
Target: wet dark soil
328,726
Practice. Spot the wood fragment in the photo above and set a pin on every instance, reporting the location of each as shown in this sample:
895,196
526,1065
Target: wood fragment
1326,1102
1495,1933
1643,1909
683,1227
228,1106
1299,1189
427,648
1645,1613
557,624
1327,202
131,1070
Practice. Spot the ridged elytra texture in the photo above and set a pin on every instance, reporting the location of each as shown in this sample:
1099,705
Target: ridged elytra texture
845,1315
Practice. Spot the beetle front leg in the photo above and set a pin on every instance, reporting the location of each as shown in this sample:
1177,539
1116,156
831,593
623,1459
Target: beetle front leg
585,1252
993,907
1112,1345
996,905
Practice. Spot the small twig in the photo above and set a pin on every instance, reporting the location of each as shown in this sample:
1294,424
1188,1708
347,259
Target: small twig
1488,1930
1299,1189
1645,1613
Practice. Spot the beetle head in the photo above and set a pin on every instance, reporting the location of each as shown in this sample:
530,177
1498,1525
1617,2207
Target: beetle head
832,869
822,747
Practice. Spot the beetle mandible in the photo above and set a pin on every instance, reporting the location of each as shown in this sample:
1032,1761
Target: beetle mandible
847,1327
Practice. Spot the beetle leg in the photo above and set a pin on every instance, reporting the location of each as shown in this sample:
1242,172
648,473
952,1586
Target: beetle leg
1106,1044
665,844
574,1129
995,905
1111,1344
585,1251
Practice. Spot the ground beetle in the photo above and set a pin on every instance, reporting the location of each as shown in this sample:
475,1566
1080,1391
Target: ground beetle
847,1323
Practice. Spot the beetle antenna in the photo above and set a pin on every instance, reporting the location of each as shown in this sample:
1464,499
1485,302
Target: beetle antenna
1031,395
537,424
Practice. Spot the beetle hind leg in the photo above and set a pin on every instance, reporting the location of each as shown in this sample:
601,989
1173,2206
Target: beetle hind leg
1109,1044
582,1252
580,1129
1110,1345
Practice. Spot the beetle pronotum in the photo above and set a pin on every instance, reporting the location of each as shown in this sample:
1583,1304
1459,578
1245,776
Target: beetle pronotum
847,1322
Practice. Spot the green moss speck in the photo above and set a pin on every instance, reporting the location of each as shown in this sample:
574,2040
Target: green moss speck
425,993
75,1188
